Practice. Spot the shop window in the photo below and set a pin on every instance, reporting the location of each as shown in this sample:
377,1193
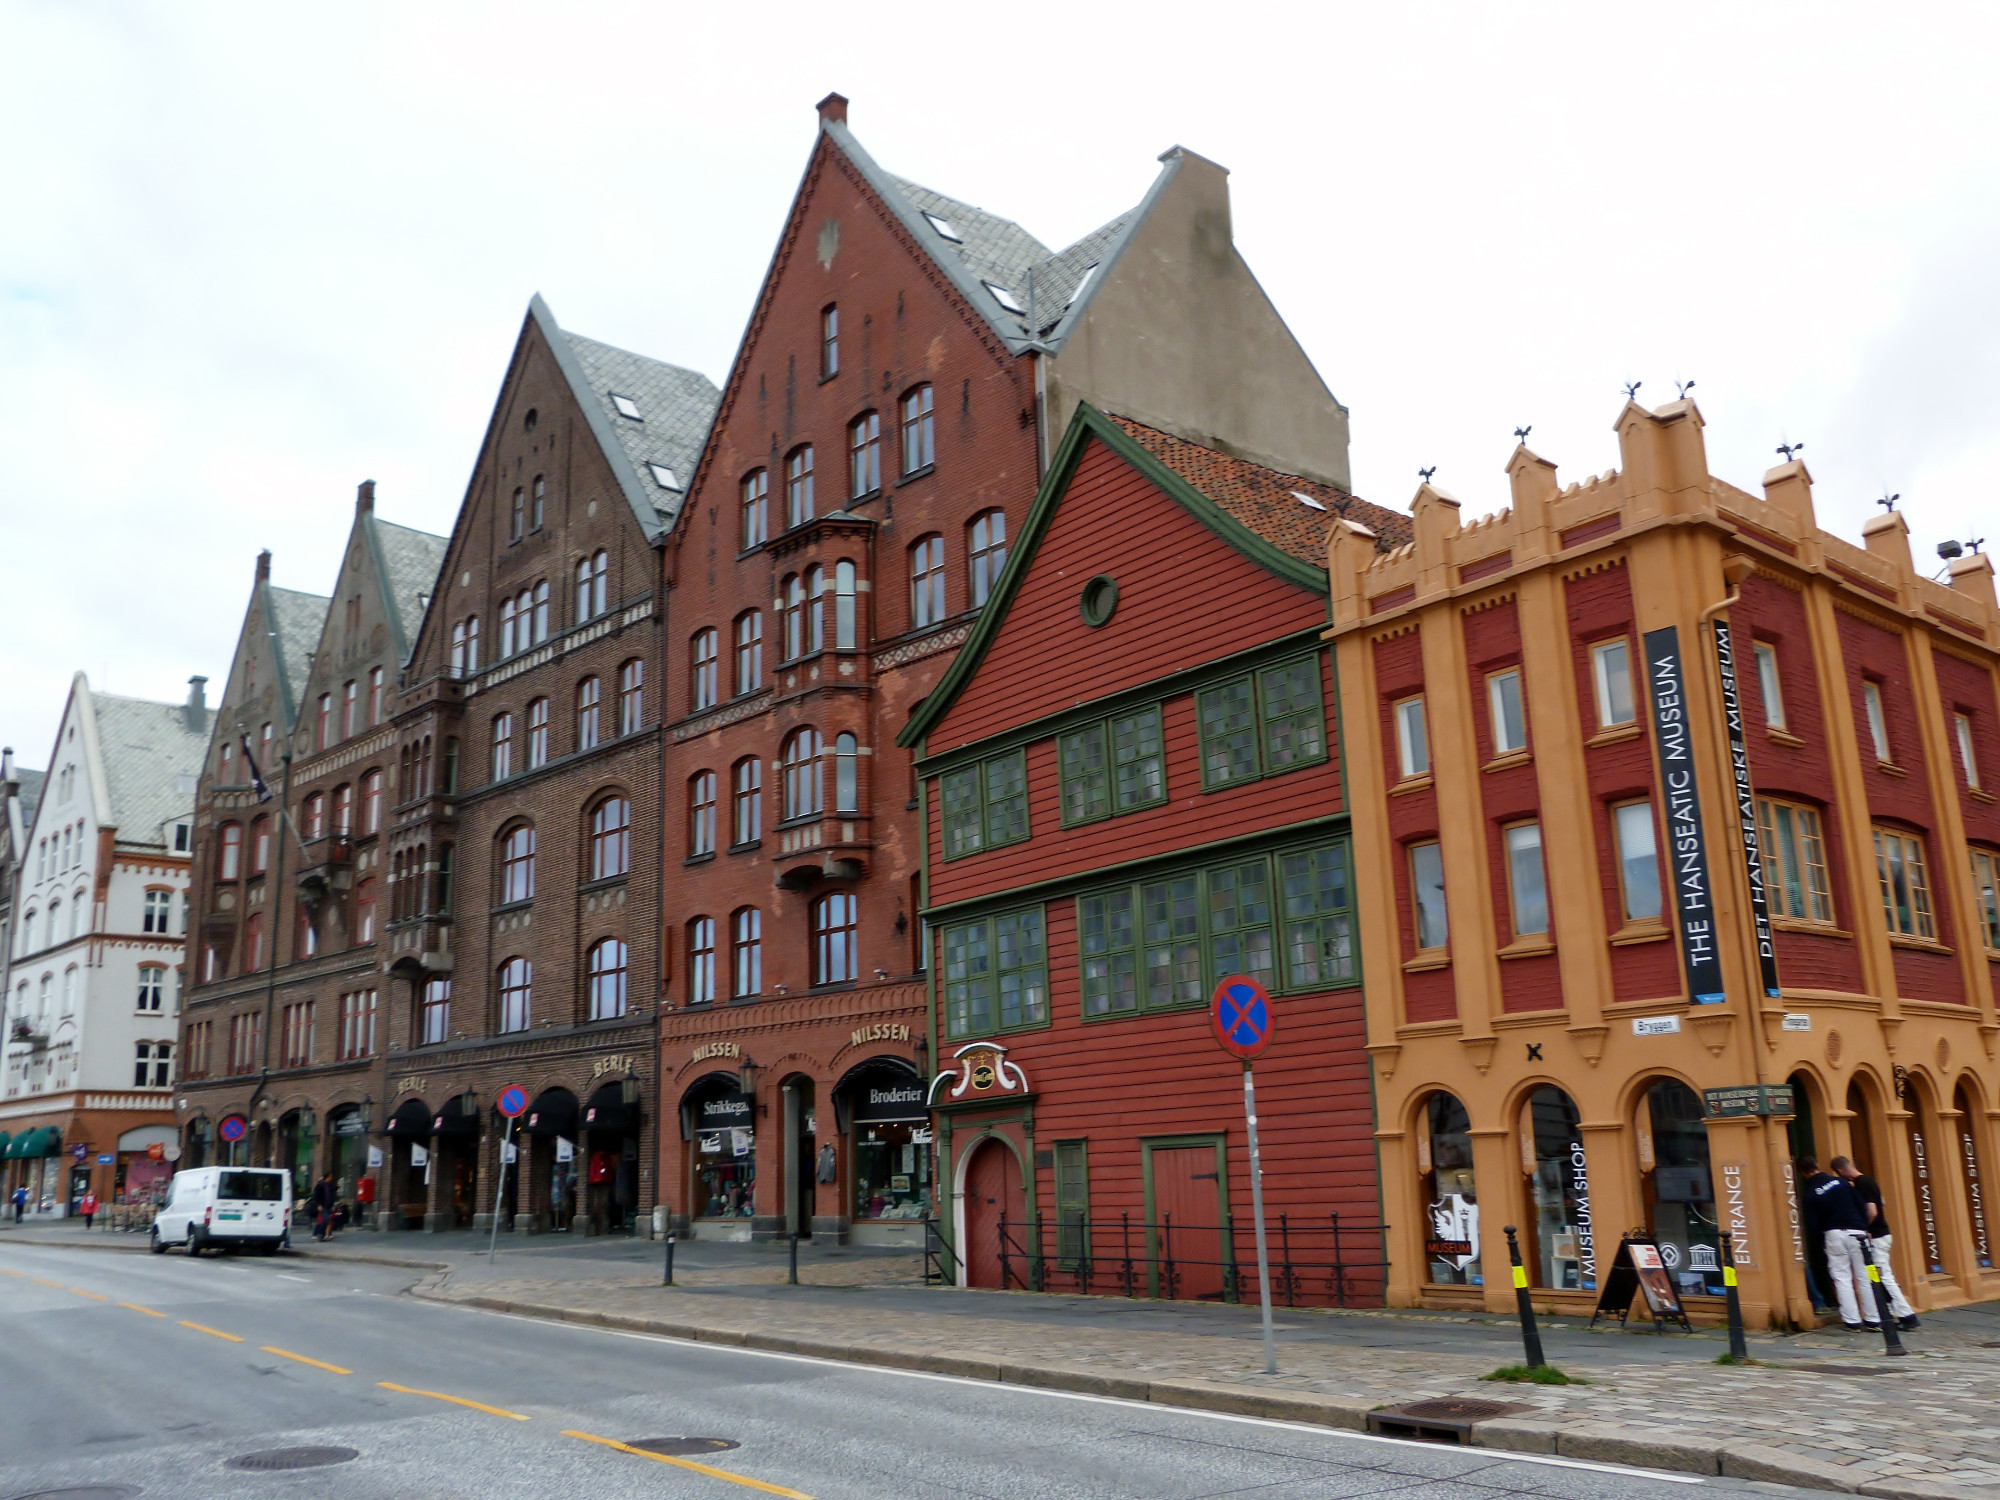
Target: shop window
517,989
1444,1159
725,1152
1527,880
1427,896
701,960
1611,671
1261,724
995,974
1112,766
607,980
1507,713
746,952
836,955
891,1167
1559,1245
1795,883
1906,890
1768,686
1986,892
986,804
1413,745
1878,721
1638,860
1679,1187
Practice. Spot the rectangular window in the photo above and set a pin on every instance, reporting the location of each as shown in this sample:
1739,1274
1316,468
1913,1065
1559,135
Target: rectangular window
1767,684
995,974
756,509
1795,883
986,804
1966,761
1427,895
919,451
436,1011
1527,882
1986,892
1113,766
1072,1205
829,342
1906,888
1261,725
357,1025
1638,860
1413,744
864,451
1509,716
1878,722
1611,667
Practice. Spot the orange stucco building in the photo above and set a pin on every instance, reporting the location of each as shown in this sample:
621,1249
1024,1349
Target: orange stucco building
1558,871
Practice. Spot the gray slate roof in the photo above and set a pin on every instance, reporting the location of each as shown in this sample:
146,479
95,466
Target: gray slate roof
151,760
411,560
297,619
31,792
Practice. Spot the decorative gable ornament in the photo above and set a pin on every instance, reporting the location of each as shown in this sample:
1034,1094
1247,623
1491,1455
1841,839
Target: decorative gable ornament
979,1071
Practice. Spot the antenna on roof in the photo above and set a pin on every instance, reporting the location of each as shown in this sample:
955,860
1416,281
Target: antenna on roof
1632,389
1522,432
1425,474
1888,502
1683,386
1789,449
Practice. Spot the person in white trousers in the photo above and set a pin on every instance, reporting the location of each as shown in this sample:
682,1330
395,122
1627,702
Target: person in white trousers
1834,1210
1880,1240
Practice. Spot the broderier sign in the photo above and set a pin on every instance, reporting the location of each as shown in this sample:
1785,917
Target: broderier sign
885,1103
1687,841
1746,810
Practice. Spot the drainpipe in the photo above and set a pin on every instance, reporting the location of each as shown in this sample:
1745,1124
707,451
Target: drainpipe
271,964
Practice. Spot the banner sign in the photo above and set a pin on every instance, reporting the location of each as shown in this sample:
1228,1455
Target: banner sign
1746,810
1687,841
1748,1099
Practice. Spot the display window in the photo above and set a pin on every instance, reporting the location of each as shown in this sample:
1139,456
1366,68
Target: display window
1680,1187
892,1171
1559,1251
1444,1158
720,1121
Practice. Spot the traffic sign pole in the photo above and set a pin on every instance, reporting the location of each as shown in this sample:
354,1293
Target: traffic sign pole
1240,1013
1257,1209
512,1101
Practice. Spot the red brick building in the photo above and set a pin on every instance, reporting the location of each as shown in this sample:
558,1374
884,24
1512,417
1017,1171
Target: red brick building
878,442
1109,838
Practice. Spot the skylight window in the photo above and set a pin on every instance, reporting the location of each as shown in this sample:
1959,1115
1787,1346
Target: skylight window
1082,285
627,407
944,229
664,477
1004,297
1304,499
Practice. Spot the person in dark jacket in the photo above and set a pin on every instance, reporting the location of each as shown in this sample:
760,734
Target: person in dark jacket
324,1195
1833,1210
1880,1239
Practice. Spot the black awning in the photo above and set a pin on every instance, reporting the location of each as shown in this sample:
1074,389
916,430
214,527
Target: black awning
552,1113
411,1121
616,1106
458,1115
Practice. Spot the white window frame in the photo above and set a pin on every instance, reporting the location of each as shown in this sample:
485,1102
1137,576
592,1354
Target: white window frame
1967,761
1768,686
1417,904
1878,721
1621,825
1413,751
1504,735
1524,856
1600,674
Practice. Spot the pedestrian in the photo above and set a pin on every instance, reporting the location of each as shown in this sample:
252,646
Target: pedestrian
1833,1212
324,1195
20,1203
87,1206
1880,1240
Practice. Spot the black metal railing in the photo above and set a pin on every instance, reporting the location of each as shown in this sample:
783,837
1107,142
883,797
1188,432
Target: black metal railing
1316,1260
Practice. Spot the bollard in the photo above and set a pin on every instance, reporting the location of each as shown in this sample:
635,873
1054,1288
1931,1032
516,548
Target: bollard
1531,1338
1890,1337
1738,1349
795,1259
668,1279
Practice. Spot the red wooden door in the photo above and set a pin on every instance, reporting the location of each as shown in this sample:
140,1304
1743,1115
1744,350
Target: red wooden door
1188,1243
993,1187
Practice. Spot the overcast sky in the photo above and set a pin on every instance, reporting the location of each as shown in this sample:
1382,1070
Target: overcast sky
251,255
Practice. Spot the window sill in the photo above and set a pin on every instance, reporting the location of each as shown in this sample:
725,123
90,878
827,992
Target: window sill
1890,768
1617,734
1979,794
749,846
1532,946
511,906
1919,945
1508,761
924,473
603,882
1634,933
1423,963
1781,736
698,859
864,497
1411,784
1817,929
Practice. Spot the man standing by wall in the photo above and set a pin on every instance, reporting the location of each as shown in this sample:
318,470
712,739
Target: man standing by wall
1834,1209
1880,1240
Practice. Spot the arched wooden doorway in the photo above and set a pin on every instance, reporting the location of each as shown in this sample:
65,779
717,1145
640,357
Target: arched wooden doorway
993,1206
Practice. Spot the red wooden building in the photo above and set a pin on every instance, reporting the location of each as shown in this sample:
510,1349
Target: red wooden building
1131,786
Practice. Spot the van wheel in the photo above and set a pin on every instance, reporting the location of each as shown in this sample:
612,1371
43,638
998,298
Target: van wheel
194,1242
157,1245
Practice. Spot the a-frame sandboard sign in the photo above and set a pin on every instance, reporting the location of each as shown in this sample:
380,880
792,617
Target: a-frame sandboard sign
1637,1270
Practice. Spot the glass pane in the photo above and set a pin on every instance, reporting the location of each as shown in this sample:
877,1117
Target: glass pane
1085,780
1293,729
1638,860
1007,798
1172,915
1239,918
1427,886
1228,733
1135,751
1524,874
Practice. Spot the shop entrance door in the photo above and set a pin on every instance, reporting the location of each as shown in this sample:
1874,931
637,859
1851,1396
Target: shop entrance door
1185,1214
993,1189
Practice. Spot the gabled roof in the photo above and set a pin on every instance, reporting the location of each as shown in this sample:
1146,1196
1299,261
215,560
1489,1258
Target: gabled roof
408,561
295,621
1241,502
151,756
676,407
30,794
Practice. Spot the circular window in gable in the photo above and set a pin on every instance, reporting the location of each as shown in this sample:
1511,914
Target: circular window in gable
1100,599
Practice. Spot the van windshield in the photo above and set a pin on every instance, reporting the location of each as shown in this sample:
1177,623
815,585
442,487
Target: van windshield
259,1187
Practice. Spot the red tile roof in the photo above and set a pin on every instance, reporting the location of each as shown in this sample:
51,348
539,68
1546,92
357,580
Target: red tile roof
1265,500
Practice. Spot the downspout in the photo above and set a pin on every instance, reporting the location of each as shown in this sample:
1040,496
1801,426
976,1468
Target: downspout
662,928
271,964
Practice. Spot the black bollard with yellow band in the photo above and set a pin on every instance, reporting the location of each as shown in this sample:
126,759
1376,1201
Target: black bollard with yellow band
1889,1335
1738,1349
1531,1338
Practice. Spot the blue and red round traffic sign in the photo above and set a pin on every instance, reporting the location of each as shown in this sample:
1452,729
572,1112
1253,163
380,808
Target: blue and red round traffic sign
233,1129
513,1100
1240,1012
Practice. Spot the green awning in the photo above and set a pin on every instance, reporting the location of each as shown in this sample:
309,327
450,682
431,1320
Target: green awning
5,1140
45,1140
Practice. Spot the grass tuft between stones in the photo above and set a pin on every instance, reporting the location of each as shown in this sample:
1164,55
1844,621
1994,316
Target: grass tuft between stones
1730,1359
1539,1375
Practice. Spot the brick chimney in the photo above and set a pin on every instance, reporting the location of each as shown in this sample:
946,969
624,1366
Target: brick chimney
833,108
264,566
364,498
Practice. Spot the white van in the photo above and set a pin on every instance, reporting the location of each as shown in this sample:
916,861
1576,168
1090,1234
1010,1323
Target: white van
225,1208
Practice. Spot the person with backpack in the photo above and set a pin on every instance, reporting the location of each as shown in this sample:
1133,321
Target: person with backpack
1880,1240
1833,1211
20,1203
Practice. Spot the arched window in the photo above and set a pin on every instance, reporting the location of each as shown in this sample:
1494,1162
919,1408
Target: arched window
701,814
749,651
927,581
704,670
746,951
701,960
747,796
1558,1245
864,454
323,723
610,838
607,980
593,586
229,861
541,613
1444,1161
835,956
756,506
27,943
517,993
799,486
434,1011
588,692
503,747
846,774
225,758
1677,1184
517,864
793,592
314,816
253,942
986,553
343,809
350,708
918,451
844,624
508,610
371,803
465,647
815,608
375,686
631,696
517,523
364,911
538,503
802,779
538,733
260,845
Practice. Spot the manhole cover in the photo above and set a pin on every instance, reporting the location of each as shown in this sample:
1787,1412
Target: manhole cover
1456,1409
293,1458
683,1447
88,1492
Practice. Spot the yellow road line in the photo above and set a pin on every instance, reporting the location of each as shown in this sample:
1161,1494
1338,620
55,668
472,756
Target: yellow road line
688,1463
135,1307
5,1272
318,1364
46,1282
211,1332
410,1390
93,1296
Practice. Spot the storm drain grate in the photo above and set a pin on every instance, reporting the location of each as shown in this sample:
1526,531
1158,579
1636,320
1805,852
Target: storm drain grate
684,1447
87,1492
293,1458
1449,1419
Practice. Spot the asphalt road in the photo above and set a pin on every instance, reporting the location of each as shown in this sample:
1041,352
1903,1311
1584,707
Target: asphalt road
154,1372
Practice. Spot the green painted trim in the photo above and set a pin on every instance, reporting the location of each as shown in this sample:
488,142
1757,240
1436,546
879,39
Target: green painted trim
1089,422
1147,1145
1111,771
987,919
1256,680
984,765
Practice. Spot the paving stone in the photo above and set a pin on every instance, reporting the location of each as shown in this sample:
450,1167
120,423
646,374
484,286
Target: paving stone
1619,1445
1757,1461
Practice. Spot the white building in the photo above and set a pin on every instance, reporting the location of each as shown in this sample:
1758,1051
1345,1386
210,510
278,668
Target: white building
95,971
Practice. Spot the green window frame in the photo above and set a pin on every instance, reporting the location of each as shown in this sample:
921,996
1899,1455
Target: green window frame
1113,766
1285,918
986,805
996,974
1262,723
1072,1163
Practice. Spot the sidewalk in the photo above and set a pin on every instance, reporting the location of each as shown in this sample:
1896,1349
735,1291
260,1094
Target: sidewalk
1823,1410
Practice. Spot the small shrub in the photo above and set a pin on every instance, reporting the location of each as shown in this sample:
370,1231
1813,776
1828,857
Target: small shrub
1541,1375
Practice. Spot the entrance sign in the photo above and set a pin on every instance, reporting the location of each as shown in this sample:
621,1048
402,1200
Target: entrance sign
1639,1270
513,1101
1746,810
233,1129
1687,838
1240,1013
